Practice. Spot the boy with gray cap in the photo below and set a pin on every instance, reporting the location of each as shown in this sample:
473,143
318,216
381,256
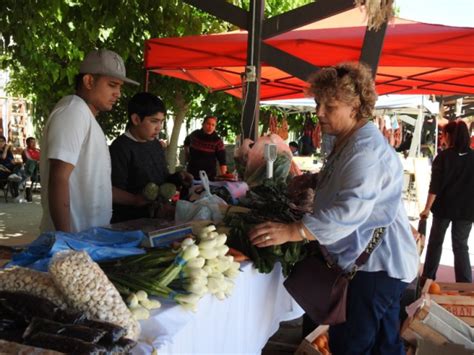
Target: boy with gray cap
75,166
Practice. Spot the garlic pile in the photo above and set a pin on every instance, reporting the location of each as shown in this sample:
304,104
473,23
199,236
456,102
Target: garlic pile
88,289
37,283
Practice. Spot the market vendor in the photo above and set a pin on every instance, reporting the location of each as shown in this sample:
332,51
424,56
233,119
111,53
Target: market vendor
138,158
359,190
203,148
76,192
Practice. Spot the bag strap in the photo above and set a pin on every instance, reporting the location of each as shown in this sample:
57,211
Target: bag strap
362,259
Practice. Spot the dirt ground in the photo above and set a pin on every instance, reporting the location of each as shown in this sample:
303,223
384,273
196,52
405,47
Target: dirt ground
19,222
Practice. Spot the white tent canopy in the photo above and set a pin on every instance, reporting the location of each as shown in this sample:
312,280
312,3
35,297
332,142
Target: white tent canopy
401,105
405,103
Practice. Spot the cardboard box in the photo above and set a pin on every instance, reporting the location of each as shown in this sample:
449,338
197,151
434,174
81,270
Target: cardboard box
429,321
457,298
306,347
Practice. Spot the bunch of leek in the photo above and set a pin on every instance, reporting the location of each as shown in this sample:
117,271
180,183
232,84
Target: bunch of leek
183,275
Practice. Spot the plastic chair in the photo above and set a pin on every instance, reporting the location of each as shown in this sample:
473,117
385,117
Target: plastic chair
7,186
4,187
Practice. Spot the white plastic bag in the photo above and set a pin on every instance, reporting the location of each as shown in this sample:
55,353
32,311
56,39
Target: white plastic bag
207,207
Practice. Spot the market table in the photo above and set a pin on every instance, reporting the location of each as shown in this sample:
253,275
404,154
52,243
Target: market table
240,324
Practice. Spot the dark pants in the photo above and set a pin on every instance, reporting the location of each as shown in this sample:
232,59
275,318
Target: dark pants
372,325
459,235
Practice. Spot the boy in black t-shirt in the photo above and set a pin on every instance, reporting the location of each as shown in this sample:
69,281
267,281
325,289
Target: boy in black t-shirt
138,158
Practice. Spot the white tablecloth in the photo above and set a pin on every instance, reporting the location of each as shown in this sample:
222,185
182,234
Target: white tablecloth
241,324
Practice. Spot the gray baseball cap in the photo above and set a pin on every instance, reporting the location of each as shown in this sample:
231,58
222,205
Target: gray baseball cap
105,62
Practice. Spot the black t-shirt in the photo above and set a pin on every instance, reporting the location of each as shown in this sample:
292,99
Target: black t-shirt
452,181
135,164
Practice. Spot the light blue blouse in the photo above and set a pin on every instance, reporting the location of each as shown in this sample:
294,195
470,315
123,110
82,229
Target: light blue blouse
362,192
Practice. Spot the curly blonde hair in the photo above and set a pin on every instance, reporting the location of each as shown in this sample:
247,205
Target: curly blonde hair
350,83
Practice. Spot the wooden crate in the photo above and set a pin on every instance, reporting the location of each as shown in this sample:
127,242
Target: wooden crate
434,323
414,328
457,298
306,348
428,348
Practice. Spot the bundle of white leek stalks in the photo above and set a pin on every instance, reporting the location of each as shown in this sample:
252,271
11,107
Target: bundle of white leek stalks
198,267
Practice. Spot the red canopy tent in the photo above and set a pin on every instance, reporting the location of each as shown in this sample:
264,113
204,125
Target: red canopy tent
417,58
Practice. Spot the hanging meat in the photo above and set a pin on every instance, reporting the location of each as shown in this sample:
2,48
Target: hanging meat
283,129
272,124
317,136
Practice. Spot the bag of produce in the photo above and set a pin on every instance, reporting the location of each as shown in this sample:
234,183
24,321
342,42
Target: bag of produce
81,332
36,283
64,344
255,164
206,207
87,289
100,244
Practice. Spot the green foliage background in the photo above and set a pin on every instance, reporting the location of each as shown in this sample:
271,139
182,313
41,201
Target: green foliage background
42,43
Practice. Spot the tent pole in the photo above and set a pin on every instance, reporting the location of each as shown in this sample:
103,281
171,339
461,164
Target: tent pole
435,153
416,140
372,47
147,79
251,99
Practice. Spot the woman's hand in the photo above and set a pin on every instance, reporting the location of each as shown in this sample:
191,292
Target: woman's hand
273,233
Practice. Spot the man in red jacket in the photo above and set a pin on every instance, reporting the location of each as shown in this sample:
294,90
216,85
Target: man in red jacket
31,158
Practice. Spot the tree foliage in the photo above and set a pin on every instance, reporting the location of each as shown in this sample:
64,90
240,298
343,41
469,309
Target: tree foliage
42,43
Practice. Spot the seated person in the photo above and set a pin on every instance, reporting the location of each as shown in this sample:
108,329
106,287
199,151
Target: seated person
294,148
138,158
203,148
31,158
9,169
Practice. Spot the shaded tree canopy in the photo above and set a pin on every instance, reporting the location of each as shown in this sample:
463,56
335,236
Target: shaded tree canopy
42,43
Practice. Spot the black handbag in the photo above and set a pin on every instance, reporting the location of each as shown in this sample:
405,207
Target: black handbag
320,285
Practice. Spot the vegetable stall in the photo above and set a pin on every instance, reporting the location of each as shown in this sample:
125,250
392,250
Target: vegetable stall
203,288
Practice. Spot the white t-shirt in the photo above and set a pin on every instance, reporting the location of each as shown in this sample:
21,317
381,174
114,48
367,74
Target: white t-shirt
73,135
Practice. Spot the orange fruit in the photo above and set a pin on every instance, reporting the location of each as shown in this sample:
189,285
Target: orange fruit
319,342
325,338
435,288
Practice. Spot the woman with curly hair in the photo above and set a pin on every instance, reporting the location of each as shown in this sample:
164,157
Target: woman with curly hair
359,192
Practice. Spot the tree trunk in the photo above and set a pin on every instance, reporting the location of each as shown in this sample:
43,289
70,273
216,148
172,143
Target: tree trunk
181,109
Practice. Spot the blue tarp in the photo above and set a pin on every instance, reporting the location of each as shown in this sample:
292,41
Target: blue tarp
101,244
